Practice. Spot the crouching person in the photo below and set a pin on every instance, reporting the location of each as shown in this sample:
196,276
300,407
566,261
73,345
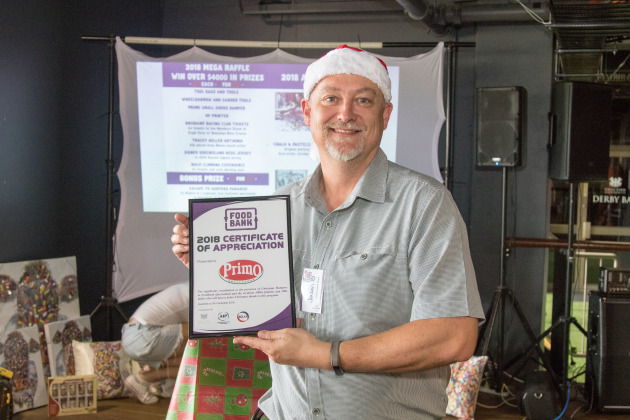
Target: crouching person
156,337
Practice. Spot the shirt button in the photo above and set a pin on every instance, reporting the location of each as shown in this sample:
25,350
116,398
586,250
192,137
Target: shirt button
316,267
312,316
316,411
328,224
364,256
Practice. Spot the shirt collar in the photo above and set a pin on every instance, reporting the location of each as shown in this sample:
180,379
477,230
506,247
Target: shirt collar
371,185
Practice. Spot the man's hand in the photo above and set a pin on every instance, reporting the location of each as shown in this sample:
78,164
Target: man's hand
180,238
291,346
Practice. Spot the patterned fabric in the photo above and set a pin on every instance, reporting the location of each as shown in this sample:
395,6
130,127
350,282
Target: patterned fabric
463,387
218,379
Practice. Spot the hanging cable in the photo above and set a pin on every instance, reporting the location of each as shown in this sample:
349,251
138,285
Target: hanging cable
566,404
533,14
280,29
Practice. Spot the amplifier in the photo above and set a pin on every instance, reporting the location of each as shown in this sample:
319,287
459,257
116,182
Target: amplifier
607,377
614,281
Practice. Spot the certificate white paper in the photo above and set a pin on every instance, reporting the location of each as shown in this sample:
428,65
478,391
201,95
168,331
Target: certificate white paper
241,276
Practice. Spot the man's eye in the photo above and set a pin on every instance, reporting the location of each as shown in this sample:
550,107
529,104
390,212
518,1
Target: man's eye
329,99
364,100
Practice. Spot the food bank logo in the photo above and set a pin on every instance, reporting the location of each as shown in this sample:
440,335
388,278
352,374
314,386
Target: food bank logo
241,219
241,271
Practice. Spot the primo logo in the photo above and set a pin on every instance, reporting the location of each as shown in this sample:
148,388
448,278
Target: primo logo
241,271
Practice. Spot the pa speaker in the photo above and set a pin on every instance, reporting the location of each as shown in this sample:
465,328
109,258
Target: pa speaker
581,114
608,353
500,125
538,399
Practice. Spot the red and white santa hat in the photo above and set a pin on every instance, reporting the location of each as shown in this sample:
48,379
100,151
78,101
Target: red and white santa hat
349,60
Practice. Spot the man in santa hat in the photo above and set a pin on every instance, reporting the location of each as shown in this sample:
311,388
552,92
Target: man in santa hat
400,299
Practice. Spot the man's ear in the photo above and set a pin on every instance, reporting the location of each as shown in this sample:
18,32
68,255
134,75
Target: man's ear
387,112
306,112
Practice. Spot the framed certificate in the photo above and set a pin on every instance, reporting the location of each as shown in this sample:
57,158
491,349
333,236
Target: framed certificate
241,271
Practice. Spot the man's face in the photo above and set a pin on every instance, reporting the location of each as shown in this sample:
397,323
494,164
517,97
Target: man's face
347,116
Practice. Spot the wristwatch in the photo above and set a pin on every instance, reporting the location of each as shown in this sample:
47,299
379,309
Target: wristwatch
334,358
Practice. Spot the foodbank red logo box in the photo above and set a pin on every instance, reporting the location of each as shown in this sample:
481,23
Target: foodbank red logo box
241,271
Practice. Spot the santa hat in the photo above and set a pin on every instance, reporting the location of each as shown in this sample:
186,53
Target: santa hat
349,60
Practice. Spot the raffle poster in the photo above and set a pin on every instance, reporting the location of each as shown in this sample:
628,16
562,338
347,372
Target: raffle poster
241,276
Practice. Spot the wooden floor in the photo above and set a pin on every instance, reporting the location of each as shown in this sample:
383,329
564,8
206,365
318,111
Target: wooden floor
118,409
130,408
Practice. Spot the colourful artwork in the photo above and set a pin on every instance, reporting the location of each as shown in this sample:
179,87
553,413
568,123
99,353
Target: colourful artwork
20,353
218,377
59,337
36,293
108,361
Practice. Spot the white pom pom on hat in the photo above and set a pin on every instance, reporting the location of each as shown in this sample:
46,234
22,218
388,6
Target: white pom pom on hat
349,60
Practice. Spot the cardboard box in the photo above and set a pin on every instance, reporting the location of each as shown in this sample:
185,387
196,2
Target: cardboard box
68,395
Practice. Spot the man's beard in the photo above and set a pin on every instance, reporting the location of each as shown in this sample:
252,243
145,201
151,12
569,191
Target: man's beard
341,153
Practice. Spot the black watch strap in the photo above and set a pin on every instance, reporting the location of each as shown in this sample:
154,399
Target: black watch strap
334,358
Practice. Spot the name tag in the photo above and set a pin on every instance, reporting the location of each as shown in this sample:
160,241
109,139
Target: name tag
312,290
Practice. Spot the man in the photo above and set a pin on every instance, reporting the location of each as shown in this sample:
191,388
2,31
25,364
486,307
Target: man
400,300
156,337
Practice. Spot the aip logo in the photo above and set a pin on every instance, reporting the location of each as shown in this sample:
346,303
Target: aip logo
223,317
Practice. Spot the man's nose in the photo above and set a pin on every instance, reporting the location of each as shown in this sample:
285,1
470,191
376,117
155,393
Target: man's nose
346,111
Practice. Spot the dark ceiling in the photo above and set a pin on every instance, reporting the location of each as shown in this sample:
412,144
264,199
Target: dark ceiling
592,37
592,40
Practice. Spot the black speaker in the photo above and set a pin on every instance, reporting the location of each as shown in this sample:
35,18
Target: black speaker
607,379
501,125
538,399
581,114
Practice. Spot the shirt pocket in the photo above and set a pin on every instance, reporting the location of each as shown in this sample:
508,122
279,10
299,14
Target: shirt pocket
371,263
371,286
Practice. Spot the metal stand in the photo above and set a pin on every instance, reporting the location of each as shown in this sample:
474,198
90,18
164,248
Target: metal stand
567,320
562,342
496,312
108,301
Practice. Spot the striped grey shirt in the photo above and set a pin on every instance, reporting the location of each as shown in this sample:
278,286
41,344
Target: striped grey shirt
395,251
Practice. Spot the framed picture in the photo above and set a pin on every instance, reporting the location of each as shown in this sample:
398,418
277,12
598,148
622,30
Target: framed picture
241,271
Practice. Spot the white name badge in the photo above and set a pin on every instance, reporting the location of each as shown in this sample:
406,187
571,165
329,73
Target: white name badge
312,290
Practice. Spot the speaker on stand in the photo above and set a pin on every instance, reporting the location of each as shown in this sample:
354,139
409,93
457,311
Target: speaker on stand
580,124
501,126
580,128
500,134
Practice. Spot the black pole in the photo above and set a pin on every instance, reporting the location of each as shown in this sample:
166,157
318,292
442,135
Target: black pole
109,226
108,300
568,293
450,84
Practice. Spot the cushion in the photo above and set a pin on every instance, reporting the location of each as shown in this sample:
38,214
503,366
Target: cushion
105,359
463,387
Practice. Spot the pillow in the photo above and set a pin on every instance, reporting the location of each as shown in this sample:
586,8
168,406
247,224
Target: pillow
108,361
463,387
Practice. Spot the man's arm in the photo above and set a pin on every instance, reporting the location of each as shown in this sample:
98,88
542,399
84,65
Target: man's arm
417,345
